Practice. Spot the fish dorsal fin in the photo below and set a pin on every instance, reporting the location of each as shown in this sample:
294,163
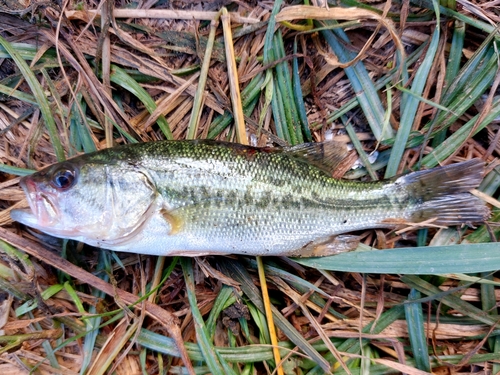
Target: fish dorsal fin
327,155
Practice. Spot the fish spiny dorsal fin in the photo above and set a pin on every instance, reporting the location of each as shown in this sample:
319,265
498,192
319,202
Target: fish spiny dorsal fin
326,156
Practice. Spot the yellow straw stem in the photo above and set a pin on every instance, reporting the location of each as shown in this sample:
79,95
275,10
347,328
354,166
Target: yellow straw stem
200,91
269,316
234,85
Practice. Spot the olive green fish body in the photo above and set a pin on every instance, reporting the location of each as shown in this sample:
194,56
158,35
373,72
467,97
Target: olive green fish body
206,197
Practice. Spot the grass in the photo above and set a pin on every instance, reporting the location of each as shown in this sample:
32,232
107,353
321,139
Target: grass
417,83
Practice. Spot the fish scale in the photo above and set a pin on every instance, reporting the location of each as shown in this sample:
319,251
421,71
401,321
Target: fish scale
207,197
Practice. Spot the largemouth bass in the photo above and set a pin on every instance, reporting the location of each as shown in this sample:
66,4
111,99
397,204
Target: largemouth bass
205,197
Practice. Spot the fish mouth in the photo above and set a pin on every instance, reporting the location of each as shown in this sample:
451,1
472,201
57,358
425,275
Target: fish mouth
42,212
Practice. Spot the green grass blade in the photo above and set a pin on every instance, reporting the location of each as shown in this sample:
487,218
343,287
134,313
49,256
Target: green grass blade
40,97
294,126
210,356
410,103
27,52
428,260
121,78
359,149
466,95
298,96
224,299
80,134
6,90
416,331
16,171
430,4
448,299
92,324
454,141
200,90
381,83
453,66
280,121
236,271
249,98
366,92
353,345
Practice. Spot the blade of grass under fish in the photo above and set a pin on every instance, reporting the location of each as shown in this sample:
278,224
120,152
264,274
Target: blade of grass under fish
491,182
241,135
121,78
484,233
416,332
428,260
410,103
448,299
240,274
298,96
40,97
366,93
202,80
210,356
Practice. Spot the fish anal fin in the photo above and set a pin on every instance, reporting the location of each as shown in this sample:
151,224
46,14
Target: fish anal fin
326,247
175,222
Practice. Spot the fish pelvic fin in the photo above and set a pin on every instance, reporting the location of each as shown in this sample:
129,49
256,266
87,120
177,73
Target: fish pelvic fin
443,194
326,247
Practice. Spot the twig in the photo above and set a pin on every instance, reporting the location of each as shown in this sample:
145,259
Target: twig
163,13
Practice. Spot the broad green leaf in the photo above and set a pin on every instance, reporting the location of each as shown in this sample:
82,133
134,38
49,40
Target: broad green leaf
429,260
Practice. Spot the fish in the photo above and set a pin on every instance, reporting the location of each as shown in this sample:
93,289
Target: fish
205,197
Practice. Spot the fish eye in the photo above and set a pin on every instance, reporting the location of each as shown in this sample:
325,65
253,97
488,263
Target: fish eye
64,178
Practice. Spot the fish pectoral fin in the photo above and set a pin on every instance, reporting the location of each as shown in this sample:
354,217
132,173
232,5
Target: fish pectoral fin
331,246
175,222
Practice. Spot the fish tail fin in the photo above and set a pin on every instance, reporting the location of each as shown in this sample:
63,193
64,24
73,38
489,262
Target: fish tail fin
442,194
